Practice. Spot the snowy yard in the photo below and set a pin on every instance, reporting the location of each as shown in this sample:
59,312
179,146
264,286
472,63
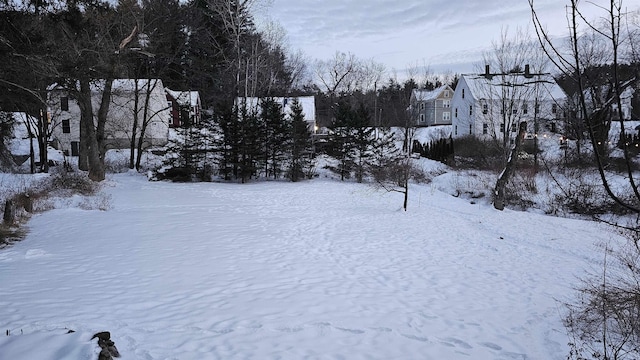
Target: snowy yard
277,270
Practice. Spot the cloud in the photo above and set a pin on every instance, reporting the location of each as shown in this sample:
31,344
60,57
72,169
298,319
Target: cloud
400,32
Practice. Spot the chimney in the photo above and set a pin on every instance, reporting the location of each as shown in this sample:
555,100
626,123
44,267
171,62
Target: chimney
527,72
487,74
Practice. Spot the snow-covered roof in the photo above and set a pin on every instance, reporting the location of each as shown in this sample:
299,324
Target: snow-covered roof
483,87
185,98
428,95
308,104
117,85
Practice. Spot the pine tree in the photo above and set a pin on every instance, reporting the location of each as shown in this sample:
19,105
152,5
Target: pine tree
300,145
275,131
363,139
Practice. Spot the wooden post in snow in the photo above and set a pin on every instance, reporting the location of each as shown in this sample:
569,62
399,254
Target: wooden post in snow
9,213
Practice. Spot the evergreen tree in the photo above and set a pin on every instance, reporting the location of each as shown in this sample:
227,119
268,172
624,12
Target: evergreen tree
300,145
363,140
340,143
351,140
275,131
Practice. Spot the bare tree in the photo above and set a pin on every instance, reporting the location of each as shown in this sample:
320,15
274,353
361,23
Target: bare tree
571,64
605,322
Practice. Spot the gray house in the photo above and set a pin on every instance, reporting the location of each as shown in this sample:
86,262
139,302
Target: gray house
431,107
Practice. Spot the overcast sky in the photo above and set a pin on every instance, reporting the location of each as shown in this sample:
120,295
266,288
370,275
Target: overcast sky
443,34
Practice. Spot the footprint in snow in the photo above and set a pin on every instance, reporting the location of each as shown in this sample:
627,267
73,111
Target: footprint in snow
492,346
458,342
414,337
353,331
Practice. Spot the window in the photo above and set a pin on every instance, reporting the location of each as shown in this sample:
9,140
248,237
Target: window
554,108
421,106
66,127
514,128
525,109
463,93
485,128
446,116
537,108
502,127
514,111
422,118
64,103
446,104
485,108
470,109
446,93
456,113
456,132
470,129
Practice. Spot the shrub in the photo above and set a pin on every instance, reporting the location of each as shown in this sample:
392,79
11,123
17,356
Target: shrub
604,323
473,153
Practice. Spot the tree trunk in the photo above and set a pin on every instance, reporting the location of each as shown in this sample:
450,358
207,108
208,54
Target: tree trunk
103,111
95,163
498,194
42,140
134,130
146,119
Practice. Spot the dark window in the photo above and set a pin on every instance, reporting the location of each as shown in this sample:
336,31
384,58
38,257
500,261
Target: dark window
485,108
502,127
66,127
470,109
463,93
485,128
64,103
470,129
554,108
525,109
514,127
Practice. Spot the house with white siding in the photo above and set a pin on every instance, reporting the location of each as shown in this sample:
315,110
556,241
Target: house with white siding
490,106
142,99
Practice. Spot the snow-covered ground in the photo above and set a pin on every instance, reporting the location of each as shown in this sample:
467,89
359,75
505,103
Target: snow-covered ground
276,270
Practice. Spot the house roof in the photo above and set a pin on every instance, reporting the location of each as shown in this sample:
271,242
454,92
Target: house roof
427,95
483,87
308,104
117,85
185,98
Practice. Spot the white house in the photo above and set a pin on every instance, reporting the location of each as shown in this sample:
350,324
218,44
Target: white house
308,104
490,106
431,107
149,107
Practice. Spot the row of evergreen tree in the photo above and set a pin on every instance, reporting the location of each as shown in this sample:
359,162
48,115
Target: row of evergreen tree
246,142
